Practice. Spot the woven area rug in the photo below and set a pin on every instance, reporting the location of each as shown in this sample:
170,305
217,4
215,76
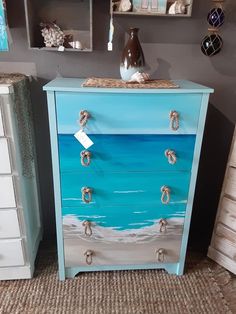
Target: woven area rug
201,290
115,83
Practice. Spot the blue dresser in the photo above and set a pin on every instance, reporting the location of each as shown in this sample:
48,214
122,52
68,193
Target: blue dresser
126,201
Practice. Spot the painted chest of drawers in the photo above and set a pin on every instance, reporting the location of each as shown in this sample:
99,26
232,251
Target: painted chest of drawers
20,222
125,202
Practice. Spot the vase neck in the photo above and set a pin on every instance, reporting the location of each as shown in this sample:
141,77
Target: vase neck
133,32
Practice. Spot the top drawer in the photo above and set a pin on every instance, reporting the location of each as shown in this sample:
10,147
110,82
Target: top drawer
1,124
127,113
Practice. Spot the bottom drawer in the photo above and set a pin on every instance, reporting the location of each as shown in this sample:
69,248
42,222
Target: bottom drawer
11,253
82,253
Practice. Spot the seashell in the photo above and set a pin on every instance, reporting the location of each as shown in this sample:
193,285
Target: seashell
140,77
177,8
125,5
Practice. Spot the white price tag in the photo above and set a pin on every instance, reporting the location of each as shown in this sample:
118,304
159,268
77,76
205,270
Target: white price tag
83,138
109,46
61,48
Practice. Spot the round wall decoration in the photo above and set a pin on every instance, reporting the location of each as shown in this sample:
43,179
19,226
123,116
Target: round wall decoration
212,43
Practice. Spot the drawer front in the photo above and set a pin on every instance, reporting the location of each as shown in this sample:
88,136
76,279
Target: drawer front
127,113
225,241
127,153
124,188
9,224
1,123
5,166
11,253
77,252
123,223
227,214
7,195
230,187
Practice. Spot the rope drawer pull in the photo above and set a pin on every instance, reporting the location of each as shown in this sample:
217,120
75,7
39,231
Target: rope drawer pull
84,116
85,157
171,156
87,228
163,224
160,255
86,195
89,257
165,197
174,120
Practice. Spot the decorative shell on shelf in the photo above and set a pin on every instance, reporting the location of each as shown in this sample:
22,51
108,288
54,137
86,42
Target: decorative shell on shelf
178,7
140,77
52,34
125,6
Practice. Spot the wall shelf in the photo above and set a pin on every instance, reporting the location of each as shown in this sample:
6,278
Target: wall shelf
73,16
138,11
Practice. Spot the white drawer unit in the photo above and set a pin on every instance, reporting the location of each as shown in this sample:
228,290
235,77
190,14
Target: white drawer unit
5,165
9,224
20,221
223,243
11,253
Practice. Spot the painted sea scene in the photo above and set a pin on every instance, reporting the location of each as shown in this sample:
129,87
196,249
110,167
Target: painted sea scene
126,204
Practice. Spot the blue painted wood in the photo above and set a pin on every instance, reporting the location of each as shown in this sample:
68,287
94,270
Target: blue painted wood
171,268
127,114
197,151
126,217
127,153
74,85
132,188
56,182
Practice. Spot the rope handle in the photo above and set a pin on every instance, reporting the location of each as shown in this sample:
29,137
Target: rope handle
163,224
165,197
85,158
171,156
89,257
86,195
174,120
87,228
84,116
160,255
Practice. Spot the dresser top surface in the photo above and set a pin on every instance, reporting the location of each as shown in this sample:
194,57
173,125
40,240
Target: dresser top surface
74,85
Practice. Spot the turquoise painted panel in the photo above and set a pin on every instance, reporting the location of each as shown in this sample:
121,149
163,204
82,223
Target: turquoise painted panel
127,153
127,113
3,29
124,217
132,188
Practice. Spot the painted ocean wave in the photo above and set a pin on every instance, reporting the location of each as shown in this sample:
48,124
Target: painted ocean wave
73,228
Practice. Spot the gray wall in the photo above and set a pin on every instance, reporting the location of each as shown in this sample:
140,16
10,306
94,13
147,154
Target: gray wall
171,47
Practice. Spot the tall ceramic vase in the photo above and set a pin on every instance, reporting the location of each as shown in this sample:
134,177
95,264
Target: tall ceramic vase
132,59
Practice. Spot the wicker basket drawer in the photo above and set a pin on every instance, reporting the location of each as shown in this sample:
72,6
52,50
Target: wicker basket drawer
227,214
230,187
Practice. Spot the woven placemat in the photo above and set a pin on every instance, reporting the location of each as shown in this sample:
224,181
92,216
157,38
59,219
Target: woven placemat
116,83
